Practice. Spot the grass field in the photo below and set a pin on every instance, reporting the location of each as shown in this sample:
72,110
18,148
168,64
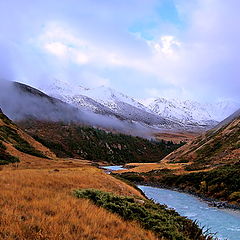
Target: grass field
38,204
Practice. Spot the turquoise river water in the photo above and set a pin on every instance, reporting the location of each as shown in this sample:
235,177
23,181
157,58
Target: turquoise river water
224,222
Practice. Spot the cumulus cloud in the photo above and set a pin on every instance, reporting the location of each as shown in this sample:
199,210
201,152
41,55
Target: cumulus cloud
208,58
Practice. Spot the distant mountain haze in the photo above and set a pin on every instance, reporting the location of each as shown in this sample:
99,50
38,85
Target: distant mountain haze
21,102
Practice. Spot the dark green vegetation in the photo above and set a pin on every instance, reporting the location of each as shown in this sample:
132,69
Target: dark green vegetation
222,183
164,222
6,158
71,140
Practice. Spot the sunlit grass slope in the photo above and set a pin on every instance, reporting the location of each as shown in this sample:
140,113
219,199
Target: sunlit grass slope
38,204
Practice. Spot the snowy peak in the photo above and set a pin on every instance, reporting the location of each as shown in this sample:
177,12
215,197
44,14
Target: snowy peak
192,111
104,95
105,101
110,97
161,113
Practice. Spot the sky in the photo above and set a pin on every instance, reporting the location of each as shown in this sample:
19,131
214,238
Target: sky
143,48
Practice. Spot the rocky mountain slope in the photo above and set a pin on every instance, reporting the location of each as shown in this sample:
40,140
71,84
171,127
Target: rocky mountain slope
20,102
106,101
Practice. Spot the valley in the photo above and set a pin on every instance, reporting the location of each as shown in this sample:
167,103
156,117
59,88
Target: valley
37,198
119,120
57,152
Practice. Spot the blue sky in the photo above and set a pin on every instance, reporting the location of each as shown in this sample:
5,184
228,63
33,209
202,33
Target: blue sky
144,48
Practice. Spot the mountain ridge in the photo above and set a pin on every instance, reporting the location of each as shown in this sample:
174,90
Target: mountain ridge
187,111
187,115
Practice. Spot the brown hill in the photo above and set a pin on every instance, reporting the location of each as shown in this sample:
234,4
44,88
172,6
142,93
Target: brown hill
16,145
216,147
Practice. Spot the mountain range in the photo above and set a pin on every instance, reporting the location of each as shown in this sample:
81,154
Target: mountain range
109,109
20,102
160,113
193,112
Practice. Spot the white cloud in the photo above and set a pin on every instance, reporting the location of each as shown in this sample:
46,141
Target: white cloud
56,48
90,41
167,46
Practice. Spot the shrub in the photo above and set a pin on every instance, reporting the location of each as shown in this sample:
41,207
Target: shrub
152,216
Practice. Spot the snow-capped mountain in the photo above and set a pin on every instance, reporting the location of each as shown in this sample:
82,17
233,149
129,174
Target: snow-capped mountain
161,113
107,101
104,95
192,111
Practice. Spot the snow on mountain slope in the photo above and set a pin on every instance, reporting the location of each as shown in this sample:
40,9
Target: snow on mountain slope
105,100
222,109
163,113
193,112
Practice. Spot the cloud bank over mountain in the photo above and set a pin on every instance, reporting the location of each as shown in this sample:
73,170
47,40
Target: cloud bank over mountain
151,48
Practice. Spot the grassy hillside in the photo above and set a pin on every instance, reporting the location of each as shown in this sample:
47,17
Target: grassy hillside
14,141
70,140
217,147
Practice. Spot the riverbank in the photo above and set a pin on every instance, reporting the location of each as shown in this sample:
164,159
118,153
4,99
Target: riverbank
216,216
210,213
219,186
166,223
211,201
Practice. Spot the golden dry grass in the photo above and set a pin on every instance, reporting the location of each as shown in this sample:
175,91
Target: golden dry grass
177,168
38,146
37,204
177,137
147,167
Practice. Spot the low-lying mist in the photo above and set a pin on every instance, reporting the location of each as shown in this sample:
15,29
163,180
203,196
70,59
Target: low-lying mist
21,102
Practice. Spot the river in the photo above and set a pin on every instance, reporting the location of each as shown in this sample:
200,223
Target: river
113,168
224,222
